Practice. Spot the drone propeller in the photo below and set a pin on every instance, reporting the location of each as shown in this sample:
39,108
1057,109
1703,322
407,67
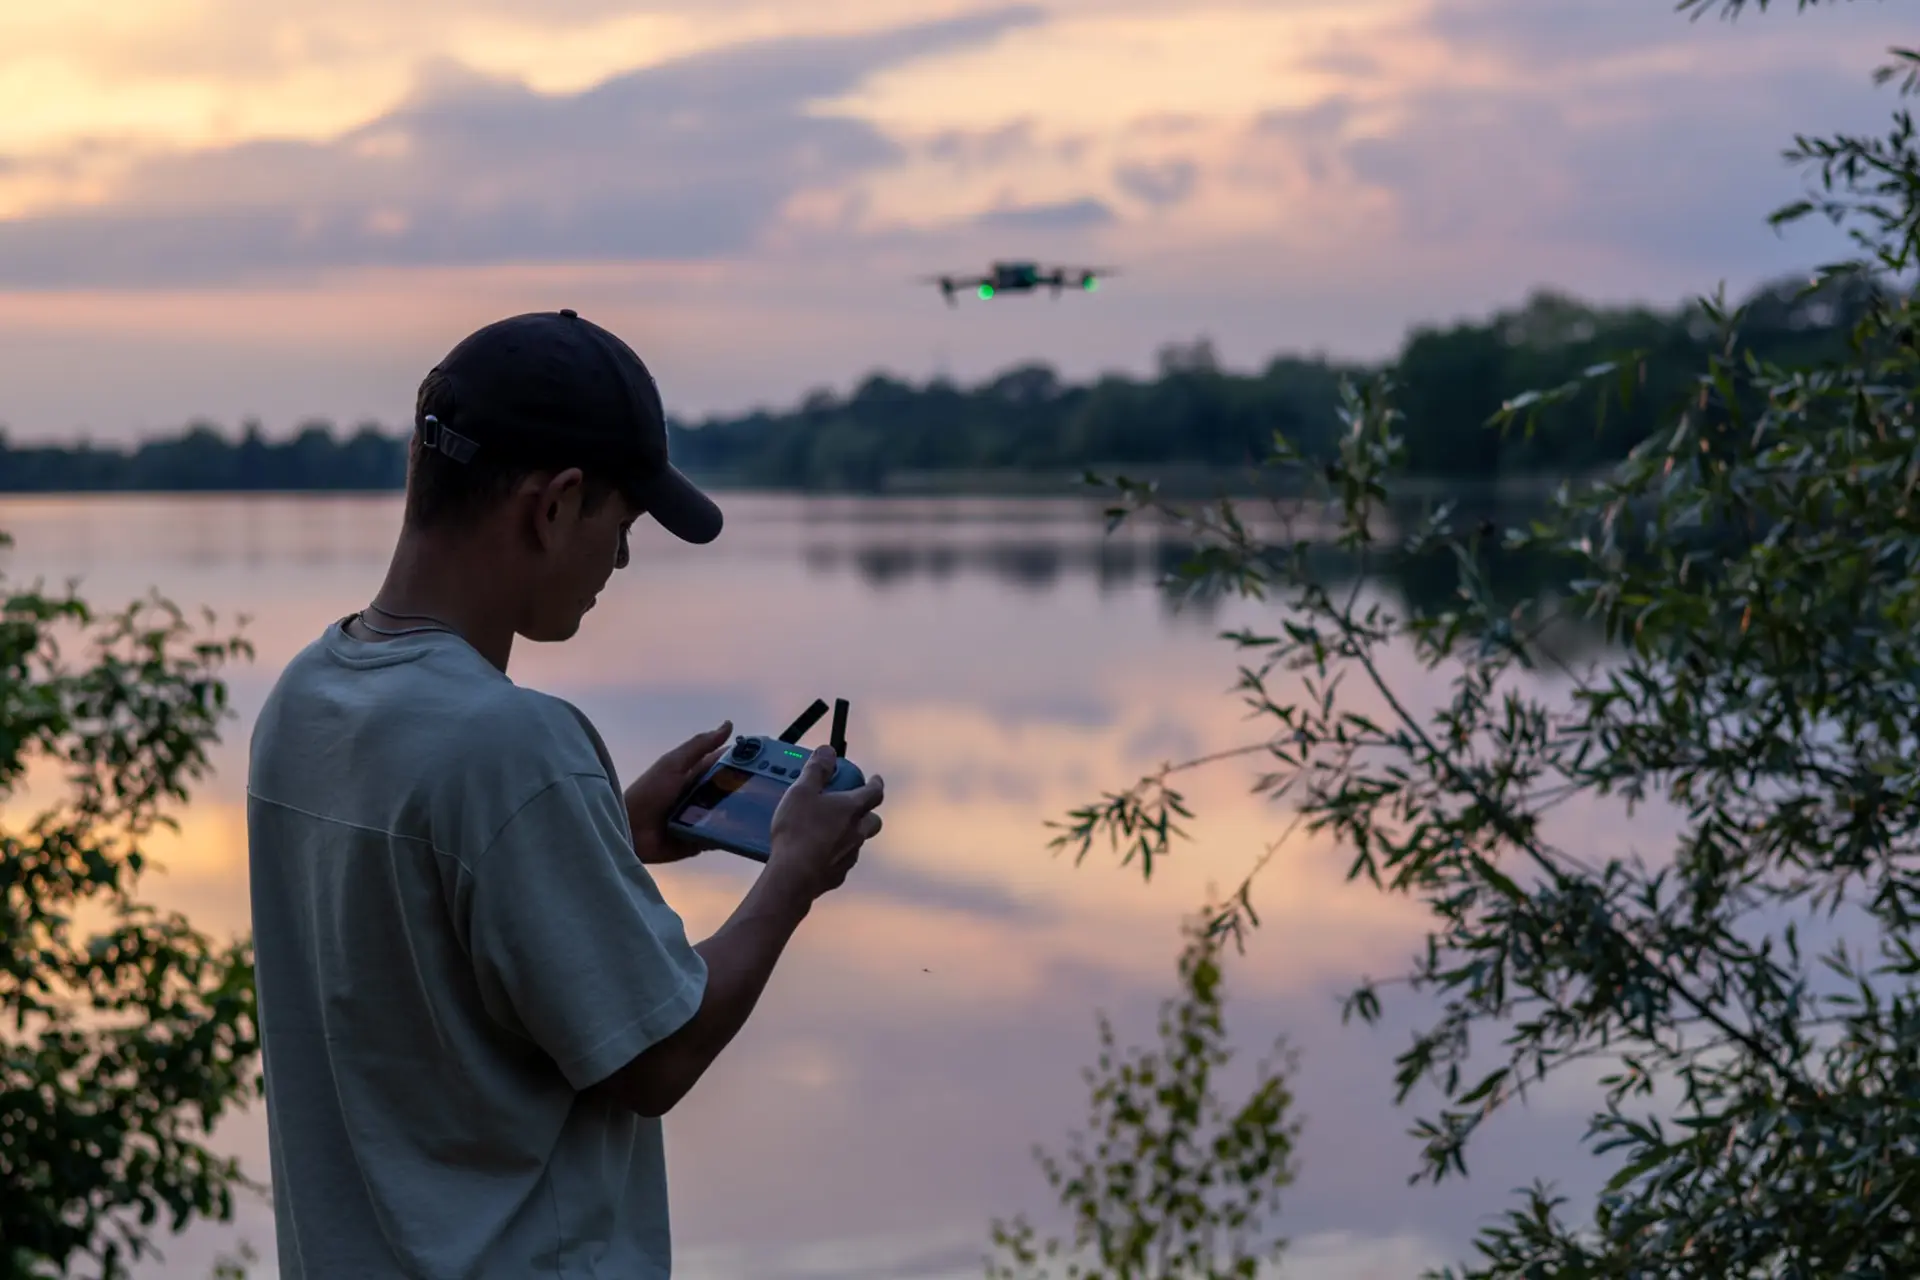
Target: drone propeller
948,284
1088,278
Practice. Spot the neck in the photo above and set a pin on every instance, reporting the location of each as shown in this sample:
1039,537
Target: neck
433,575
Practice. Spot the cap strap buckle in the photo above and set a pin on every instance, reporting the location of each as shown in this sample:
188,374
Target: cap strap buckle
434,435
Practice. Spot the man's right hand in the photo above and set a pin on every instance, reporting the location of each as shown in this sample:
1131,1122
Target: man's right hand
817,834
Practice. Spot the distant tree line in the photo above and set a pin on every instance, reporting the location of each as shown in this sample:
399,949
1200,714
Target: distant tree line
201,458
1191,414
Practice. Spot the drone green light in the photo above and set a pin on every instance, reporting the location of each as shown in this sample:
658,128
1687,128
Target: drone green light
986,291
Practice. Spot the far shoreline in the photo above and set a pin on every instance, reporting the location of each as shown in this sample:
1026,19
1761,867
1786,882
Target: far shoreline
1180,484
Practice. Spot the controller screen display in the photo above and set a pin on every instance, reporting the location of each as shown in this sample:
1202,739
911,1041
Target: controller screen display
734,804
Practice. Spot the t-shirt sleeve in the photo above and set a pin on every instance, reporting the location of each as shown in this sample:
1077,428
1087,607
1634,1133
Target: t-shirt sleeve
572,943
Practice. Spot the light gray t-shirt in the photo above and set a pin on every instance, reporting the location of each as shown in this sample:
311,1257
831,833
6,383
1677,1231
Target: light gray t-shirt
454,942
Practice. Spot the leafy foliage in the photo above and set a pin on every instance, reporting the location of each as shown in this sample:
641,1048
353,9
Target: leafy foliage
1755,563
1176,1187
124,1034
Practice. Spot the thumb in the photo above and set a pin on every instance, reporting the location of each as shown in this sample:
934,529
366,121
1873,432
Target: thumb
690,752
818,769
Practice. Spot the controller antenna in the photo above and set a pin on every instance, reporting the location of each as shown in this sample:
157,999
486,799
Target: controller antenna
808,718
839,739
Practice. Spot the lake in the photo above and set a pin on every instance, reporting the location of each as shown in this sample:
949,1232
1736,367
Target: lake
1005,662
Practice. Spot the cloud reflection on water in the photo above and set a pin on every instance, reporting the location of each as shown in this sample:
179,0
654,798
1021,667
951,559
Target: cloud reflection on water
931,1021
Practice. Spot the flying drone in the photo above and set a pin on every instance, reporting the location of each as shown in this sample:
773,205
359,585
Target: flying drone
1020,277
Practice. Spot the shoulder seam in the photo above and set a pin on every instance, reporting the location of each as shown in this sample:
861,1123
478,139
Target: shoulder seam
523,806
331,820
468,867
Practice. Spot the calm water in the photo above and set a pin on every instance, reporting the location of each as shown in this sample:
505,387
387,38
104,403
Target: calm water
1005,662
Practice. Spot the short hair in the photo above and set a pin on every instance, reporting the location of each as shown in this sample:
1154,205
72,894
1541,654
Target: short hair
443,493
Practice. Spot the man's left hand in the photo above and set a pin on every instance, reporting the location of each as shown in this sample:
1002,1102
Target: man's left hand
651,796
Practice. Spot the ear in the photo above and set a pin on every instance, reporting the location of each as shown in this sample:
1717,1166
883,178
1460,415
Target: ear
556,503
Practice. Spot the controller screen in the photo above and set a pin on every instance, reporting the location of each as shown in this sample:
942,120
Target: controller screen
734,804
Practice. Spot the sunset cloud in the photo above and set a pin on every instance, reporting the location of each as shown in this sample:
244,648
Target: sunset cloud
283,211
689,159
1166,183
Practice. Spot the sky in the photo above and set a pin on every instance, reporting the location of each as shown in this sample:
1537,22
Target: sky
225,210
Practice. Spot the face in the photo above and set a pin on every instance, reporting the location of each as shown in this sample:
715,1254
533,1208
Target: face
576,551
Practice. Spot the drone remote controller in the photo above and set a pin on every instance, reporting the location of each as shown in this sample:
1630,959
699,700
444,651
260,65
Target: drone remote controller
732,805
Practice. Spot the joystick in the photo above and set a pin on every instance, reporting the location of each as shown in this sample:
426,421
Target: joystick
731,806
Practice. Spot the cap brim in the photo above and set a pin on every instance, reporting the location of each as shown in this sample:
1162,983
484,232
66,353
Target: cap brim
677,505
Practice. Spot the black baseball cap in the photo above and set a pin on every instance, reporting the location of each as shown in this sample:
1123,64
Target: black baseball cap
550,389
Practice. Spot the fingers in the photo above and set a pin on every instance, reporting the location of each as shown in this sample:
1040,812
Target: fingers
701,745
708,761
843,868
818,769
868,828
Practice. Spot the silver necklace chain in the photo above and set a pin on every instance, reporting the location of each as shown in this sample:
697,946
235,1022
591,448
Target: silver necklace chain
438,625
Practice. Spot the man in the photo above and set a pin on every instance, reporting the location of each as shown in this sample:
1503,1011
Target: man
474,1004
